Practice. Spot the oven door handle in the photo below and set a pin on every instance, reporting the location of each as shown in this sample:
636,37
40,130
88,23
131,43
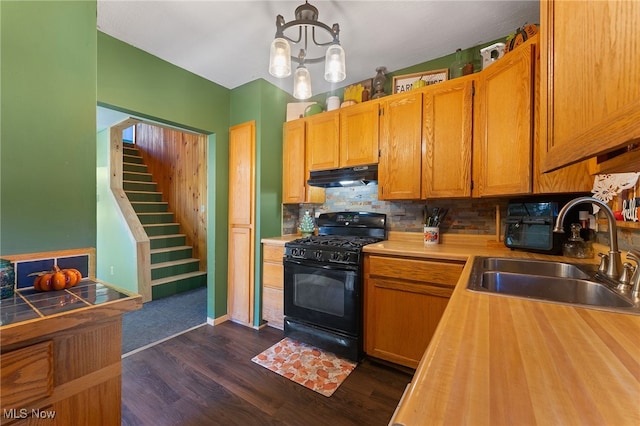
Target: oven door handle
330,266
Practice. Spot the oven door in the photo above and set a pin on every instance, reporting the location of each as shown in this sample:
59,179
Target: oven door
324,295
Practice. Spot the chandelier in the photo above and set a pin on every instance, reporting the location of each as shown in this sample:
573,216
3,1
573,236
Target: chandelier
280,55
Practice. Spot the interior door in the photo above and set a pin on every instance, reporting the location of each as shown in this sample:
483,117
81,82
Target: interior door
241,222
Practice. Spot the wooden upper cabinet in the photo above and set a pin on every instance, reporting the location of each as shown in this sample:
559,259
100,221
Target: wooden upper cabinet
294,171
242,173
400,147
591,85
447,138
504,132
359,134
293,162
323,141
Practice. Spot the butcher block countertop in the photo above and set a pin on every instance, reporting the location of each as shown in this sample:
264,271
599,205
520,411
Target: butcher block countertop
499,360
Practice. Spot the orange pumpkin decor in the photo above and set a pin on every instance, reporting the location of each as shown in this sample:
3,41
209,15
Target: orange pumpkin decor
58,279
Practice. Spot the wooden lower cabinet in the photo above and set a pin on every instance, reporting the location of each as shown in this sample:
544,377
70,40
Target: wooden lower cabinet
69,377
273,285
404,300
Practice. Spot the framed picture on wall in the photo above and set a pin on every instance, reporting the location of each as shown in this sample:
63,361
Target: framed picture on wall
404,83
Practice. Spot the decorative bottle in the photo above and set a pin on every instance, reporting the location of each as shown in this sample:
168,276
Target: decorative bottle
576,246
456,68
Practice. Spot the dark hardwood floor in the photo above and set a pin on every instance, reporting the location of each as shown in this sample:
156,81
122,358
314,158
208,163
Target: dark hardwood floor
206,377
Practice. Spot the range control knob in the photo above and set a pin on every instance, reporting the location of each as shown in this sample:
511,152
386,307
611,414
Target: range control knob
318,254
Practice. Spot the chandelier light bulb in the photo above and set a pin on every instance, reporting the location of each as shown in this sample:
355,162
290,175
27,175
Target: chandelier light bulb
280,58
334,66
302,83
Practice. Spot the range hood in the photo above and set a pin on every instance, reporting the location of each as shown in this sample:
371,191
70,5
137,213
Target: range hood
348,176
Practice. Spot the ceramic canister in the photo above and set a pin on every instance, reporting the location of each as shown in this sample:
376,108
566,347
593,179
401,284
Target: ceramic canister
333,102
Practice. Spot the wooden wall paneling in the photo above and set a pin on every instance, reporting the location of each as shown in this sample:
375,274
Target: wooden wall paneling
178,162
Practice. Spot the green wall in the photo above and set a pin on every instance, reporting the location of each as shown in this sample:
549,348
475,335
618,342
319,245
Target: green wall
267,104
133,81
48,126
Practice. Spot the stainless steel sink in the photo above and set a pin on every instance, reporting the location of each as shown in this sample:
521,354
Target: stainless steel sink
534,267
558,282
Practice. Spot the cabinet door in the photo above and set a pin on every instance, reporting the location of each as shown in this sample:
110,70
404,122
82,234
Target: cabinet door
400,147
404,300
240,270
293,162
504,138
359,135
322,143
591,84
410,313
241,222
447,138
574,178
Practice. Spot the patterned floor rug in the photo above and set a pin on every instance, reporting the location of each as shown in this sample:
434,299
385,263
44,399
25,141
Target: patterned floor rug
306,365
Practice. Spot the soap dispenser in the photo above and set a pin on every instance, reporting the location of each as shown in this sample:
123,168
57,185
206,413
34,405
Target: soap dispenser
576,246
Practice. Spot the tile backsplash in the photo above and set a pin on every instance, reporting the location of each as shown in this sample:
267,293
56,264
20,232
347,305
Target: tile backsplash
466,216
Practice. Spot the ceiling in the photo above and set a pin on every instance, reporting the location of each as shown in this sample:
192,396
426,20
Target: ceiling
227,42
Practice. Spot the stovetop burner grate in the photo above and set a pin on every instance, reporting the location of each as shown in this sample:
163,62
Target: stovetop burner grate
335,241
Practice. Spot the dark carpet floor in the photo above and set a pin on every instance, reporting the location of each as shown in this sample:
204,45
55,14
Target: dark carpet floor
162,318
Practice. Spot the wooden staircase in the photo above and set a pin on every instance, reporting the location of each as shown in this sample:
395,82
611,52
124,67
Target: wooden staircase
173,269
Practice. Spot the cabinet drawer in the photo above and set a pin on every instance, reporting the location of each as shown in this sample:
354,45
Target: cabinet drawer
436,272
272,253
27,374
273,275
273,307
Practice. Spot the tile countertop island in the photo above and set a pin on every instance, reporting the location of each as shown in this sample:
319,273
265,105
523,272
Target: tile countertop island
499,360
61,354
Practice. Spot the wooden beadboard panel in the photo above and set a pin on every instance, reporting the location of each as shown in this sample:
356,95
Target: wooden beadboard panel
178,162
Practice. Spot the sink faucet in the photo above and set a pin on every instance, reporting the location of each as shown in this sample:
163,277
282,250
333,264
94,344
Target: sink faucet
635,278
614,265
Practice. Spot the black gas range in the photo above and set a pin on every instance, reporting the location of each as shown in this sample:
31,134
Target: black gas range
323,281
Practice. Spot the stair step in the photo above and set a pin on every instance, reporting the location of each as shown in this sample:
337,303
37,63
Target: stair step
133,167
155,217
171,285
137,177
168,254
147,207
130,149
163,241
174,267
128,185
135,159
161,228
149,196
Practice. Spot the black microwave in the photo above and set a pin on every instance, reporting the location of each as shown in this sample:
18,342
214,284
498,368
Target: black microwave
529,226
